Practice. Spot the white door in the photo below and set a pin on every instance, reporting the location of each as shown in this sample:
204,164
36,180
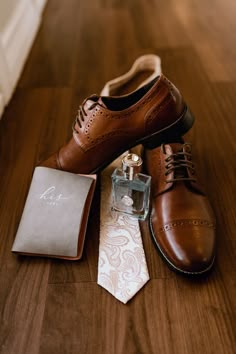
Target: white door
19,22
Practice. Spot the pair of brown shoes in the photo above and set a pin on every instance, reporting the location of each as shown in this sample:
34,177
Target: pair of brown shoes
182,222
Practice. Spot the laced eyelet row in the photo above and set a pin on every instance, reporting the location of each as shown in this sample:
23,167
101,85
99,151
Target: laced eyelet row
179,160
81,116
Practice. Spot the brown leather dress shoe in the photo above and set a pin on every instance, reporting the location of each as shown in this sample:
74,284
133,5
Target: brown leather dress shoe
107,126
182,222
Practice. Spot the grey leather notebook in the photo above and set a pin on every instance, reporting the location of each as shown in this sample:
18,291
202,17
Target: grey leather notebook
55,215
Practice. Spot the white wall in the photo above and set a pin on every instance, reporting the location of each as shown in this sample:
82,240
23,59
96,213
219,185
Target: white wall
19,22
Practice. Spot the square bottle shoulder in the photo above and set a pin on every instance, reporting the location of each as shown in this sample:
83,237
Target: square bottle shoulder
120,176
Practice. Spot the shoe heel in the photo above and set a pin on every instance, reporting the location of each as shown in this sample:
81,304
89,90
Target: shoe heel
173,132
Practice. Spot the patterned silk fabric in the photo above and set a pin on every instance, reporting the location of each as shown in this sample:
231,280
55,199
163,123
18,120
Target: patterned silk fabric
122,268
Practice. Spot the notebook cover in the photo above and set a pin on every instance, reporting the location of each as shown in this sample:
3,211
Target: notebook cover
55,215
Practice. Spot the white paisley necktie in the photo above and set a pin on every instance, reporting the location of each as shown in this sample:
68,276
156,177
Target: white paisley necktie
122,268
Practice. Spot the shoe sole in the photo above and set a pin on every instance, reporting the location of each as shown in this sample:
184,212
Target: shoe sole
171,265
173,131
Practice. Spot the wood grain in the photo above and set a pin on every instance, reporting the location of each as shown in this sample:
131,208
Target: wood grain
49,306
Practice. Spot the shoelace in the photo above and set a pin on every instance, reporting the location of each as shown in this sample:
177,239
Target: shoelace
179,162
82,114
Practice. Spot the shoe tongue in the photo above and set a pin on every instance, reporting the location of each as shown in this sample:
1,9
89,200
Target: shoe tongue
90,101
100,101
93,99
175,148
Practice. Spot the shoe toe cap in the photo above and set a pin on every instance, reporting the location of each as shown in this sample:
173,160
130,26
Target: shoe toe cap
188,250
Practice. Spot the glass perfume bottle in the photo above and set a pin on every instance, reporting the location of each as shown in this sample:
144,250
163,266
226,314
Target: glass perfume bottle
130,188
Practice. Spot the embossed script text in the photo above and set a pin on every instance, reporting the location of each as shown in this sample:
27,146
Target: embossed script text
51,197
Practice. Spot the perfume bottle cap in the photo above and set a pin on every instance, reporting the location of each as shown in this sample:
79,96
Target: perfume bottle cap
131,165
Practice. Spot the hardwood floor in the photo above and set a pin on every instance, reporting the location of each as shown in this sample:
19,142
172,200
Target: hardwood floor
52,306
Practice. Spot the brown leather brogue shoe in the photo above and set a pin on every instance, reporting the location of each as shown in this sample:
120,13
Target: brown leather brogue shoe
107,126
182,222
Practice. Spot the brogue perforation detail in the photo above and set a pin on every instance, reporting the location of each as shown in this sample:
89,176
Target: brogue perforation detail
183,223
